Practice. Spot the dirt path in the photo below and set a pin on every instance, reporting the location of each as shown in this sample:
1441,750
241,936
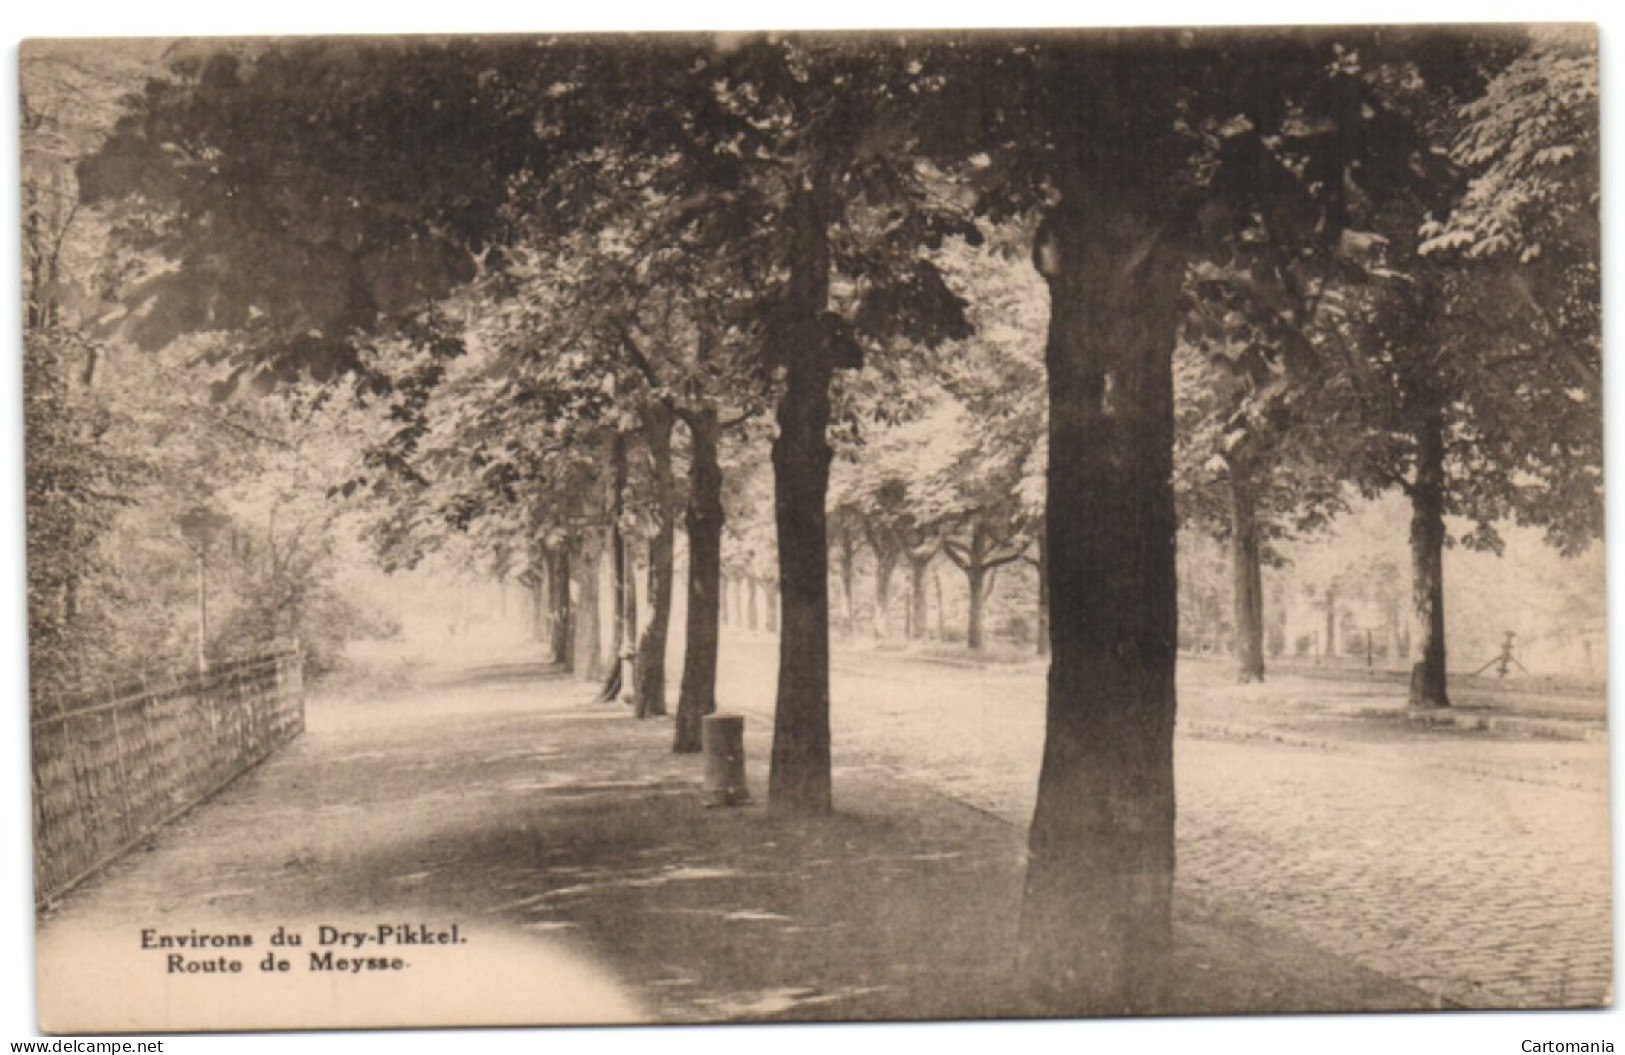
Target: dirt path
588,883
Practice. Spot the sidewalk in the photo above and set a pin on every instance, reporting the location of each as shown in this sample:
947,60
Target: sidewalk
569,839
1295,693
1349,703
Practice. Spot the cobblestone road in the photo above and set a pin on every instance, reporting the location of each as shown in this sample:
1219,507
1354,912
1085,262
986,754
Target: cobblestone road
1471,866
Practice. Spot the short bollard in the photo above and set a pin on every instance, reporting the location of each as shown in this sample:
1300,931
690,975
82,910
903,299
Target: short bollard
723,738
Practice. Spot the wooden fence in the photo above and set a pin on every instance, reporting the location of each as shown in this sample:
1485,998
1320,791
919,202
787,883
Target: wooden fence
110,770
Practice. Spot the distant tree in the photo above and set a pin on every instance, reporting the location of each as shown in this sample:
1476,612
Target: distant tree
643,269
959,473
1251,468
887,490
986,531
998,377
1351,572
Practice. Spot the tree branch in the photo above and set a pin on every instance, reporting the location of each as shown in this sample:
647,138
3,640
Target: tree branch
210,414
1004,558
639,360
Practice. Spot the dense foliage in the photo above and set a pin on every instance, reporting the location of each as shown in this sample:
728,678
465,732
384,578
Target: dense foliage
168,525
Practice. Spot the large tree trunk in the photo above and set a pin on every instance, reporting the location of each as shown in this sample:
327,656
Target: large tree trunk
976,596
799,774
1247,570
1427,565
704,519
1095,929
651,663
589,659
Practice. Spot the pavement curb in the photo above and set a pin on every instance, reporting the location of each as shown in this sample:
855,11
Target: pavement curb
1541,728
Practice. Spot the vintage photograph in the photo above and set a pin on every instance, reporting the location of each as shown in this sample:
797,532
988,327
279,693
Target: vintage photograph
814,526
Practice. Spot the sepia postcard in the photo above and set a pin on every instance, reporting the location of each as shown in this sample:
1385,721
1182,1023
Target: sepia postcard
718,527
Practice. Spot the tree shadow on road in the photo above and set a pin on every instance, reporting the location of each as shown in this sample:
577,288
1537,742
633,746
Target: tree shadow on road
499,674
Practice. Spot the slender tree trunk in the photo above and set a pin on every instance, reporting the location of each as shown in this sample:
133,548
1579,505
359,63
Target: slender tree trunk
917,567
1427,565
704,519
722,599
1096,916
589,661
885,565
1247,570
651,663
629,653
537,619
972,560
558,583
547,617
771,588
617,543
799,774
846,546
942,627
1331,650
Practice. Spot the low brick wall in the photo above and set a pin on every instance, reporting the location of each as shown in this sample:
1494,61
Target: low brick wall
110,770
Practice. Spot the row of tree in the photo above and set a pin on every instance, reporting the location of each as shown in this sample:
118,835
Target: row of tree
574,285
